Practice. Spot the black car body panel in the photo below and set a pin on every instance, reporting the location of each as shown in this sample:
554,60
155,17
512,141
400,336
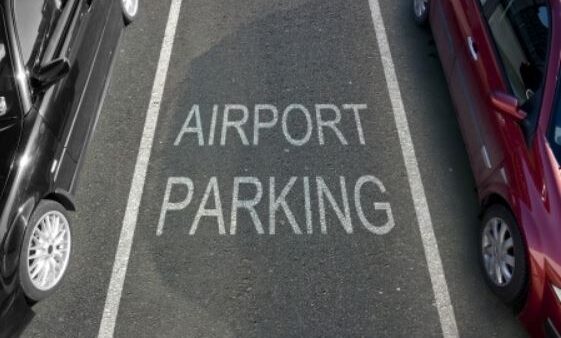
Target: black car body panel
43,142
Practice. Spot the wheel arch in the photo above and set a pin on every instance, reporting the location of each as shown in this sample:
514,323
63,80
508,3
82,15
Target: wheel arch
492,199
62,197
517,211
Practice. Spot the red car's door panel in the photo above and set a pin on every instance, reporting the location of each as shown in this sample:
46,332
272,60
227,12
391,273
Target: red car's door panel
474,62
440,25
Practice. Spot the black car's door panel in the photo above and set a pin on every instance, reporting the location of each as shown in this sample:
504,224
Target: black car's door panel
86,60
80,47
62,106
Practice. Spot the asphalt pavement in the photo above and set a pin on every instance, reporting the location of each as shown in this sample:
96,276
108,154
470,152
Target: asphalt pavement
276,201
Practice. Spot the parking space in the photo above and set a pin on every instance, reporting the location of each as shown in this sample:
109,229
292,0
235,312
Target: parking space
276,200
236,257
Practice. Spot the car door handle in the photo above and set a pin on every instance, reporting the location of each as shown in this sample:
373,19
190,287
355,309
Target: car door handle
472,47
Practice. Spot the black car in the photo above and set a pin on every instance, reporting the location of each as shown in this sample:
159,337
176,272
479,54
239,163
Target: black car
55,61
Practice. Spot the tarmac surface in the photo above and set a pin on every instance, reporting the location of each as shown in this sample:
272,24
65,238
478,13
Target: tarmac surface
276,200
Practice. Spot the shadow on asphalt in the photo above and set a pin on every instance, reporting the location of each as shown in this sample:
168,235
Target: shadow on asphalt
19,316
333,285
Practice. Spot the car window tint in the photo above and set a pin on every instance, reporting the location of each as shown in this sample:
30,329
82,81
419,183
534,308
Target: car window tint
554,134
520,29
35,19
8,92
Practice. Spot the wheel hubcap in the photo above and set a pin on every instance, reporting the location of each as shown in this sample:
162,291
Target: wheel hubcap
49,250
420,7
498,251
130,6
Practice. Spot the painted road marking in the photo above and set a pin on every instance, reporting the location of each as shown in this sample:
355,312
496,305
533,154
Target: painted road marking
326,196
111,309
297,113
430,245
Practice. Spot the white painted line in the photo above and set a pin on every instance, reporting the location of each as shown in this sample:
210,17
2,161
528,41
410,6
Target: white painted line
107,326
432,255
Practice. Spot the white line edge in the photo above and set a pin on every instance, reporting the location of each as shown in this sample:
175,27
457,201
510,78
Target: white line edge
430,245
112,302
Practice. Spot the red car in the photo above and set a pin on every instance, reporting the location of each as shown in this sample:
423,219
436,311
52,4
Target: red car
502,61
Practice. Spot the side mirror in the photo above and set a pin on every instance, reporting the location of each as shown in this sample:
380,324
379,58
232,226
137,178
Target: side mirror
507,105
44,76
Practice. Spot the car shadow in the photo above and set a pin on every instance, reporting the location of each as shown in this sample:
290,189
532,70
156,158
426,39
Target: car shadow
18,317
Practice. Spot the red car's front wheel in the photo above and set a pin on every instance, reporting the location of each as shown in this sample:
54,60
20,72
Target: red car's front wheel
503,255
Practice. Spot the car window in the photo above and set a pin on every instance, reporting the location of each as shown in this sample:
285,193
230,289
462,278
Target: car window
520,30
35,19
9,99
554,133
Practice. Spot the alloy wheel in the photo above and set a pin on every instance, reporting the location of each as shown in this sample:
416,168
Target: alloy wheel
49,250
497,247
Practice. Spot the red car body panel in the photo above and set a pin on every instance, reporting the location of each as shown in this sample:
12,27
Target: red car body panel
507,167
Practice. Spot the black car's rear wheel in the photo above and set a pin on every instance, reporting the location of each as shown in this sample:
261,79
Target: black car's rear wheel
421,11
130,10
45,251
503,255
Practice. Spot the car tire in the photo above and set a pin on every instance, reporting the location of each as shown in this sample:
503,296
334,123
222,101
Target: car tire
45,252
421,12
503,257
130,10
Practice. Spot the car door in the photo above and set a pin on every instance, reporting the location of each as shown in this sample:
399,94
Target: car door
440,24
501,46
82,49
71,29
471,80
